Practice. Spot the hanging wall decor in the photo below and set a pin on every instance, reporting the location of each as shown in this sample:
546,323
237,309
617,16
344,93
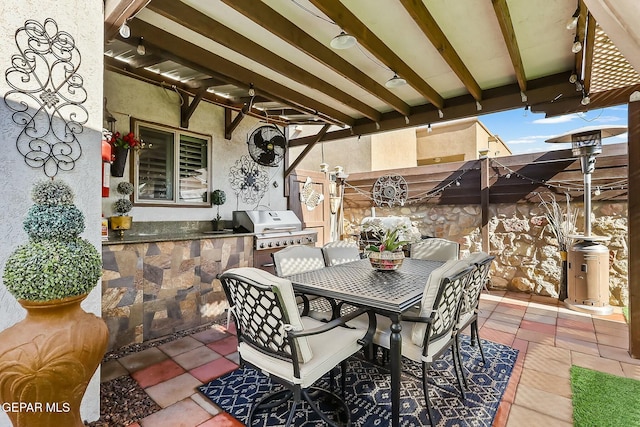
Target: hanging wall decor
248,179
46,96
390,190
310,197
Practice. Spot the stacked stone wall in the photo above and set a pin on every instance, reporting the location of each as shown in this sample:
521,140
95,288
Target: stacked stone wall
527,255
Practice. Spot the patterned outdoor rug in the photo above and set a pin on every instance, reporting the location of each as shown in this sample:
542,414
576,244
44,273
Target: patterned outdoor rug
368,394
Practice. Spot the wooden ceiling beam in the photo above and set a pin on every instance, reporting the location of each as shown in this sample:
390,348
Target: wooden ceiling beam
200,23
266,17
343,17
418,11
202,60
497,99
506,27
590,40
146,61
580,32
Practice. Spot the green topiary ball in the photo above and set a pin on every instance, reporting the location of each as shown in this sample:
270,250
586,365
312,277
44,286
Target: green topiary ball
53,222
52,269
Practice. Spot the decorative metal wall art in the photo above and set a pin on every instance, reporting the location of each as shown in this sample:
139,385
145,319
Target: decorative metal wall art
248,179
46,96
310,197
390,190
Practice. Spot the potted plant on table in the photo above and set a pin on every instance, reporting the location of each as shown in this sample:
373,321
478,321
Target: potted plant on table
122,207
386,253
47,359
218,197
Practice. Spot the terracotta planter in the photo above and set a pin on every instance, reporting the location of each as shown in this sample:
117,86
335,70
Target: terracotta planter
47,360
386,260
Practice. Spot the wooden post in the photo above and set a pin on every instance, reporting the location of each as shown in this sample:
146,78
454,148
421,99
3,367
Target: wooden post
634,224
484,202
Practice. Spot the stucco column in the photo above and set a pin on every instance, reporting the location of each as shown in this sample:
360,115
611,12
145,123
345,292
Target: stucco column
83,21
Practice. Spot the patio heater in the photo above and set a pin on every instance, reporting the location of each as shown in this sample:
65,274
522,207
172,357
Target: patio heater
588,257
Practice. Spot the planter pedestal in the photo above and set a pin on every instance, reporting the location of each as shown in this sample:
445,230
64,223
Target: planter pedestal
47,361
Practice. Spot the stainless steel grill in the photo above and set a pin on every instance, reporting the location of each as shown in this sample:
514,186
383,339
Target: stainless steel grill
273,230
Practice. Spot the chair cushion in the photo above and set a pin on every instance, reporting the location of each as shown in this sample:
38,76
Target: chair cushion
435,249
476,257
297,259
449,268
329,349
286,291
335,255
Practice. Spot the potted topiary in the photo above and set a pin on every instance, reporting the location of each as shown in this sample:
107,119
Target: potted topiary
49,357
122,207
218,197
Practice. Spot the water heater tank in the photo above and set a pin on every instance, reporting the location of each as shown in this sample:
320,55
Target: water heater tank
588,274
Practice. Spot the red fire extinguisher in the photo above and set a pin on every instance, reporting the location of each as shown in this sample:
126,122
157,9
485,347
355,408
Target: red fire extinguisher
106,162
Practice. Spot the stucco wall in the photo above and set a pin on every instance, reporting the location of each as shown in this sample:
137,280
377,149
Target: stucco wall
391,150
84,22
127,97
527,257
353,154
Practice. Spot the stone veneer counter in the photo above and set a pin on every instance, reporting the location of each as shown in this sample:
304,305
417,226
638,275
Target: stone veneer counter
156,284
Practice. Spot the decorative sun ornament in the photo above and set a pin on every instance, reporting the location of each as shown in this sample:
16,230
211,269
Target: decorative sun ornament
248,179
390,190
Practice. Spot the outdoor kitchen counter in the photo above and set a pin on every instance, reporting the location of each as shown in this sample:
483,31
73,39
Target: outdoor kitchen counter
171,237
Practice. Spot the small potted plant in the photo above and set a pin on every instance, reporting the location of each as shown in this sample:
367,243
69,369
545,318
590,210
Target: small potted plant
218,197
122,207
51,355
386,253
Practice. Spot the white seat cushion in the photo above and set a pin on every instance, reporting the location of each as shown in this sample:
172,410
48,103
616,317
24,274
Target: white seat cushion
329,349
435,249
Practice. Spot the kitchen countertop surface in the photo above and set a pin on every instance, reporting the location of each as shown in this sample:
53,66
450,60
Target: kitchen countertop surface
133,237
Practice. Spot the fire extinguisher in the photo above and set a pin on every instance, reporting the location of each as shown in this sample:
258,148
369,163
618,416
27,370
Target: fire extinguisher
106,162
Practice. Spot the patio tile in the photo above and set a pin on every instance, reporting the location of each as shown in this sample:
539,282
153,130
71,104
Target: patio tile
631,371
544,328
616,317
157,373
533,336
575,324
618,354
544,402
136,361
597,363
612,329
578,334
517,297
608,323
205,404
502,414
210,335
180,346
613,341
234,357
540,318
560,386
497,336
510,328
225,346
213,369
552,367
541,299
543,307
506,318
519,416
548,352
566,313
169,392
112,369
183,413
512,309
222,420
196,357
577,345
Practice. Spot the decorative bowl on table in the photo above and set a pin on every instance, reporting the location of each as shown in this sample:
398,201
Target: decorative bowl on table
386,260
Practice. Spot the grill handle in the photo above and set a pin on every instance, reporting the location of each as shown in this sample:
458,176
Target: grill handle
267,264
291,228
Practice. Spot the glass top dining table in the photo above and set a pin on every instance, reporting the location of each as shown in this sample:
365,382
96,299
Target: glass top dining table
389,293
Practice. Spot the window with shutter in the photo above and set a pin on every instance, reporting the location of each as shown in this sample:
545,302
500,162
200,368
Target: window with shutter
173,168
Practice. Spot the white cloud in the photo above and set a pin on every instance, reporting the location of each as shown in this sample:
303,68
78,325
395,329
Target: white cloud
554,120
530,139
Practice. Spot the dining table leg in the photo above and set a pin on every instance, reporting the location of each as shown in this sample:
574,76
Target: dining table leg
395,348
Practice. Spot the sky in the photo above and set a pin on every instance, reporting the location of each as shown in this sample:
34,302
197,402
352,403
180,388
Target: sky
526,133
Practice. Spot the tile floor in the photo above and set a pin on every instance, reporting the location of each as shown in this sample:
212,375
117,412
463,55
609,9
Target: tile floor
550,338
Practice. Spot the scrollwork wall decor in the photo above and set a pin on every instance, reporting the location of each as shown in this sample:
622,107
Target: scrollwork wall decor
46,96
390,190
248,179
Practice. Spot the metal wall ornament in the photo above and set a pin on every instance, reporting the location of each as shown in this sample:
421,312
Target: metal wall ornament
310,197
46,96
390,190
248,179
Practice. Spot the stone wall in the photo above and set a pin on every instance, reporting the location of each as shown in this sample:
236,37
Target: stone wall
527,256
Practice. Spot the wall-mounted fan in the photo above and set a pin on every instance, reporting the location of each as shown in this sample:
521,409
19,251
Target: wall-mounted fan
267,145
